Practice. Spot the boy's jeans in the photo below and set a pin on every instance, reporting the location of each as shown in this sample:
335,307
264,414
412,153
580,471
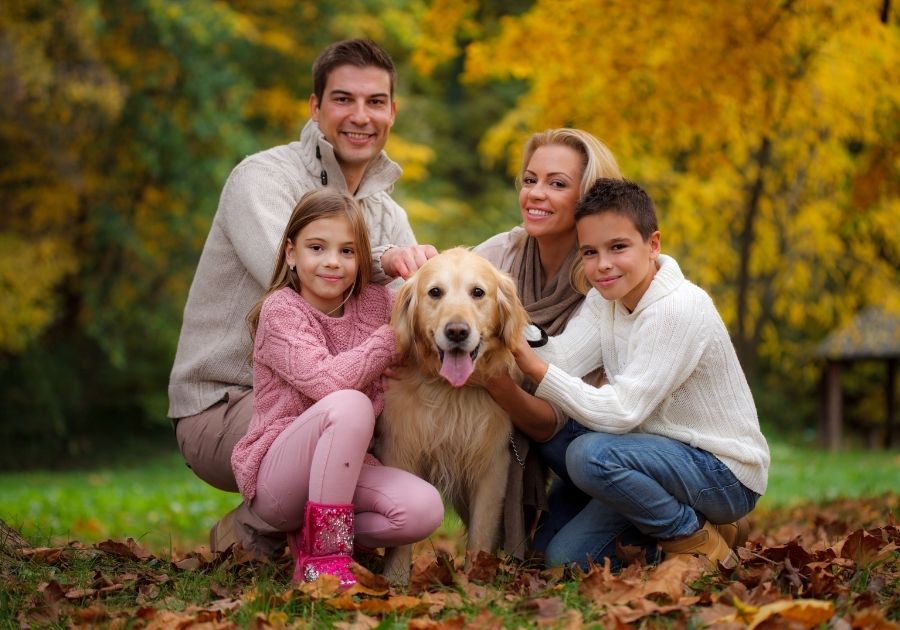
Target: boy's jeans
637,487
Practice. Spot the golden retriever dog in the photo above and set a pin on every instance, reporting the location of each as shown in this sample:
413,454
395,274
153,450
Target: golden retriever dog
456,319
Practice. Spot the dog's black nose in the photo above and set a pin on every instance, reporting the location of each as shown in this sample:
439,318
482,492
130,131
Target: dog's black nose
457,332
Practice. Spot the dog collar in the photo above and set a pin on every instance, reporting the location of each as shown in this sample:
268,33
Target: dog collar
536,336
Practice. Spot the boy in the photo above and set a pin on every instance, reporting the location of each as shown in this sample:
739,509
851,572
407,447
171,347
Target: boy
670,449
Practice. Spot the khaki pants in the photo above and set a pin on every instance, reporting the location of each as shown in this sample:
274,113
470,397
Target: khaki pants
206,441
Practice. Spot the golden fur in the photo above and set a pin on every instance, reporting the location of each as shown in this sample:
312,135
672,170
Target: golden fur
456,437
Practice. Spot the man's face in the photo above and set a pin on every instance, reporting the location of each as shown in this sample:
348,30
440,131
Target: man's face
356,114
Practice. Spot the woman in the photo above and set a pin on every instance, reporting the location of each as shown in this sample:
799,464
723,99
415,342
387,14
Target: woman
558,167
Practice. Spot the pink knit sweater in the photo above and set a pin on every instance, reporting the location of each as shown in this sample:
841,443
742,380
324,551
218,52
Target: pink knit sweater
301,355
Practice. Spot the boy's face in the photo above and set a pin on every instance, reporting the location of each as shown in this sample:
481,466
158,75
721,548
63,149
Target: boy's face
356,113
617,261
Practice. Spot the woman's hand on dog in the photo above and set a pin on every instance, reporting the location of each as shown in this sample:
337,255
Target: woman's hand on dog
534,417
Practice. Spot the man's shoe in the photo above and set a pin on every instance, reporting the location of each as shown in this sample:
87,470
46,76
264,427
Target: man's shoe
736,533
222,534
706,541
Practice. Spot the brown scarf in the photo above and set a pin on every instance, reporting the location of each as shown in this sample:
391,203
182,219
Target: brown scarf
551,306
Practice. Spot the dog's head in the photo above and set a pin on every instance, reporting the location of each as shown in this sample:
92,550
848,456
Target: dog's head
456,314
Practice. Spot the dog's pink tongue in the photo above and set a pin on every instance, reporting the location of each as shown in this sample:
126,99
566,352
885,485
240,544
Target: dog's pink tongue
457,368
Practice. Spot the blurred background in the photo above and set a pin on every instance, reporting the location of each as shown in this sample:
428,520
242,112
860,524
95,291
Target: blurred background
767,132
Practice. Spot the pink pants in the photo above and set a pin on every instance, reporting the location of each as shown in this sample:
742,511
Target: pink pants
319,457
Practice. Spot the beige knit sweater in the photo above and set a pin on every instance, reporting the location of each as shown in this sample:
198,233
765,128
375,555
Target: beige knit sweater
672,371
237,260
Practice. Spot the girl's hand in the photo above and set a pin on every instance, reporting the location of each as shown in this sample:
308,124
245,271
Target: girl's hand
393,371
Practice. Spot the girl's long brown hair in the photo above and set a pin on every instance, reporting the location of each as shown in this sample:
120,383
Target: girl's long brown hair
315,205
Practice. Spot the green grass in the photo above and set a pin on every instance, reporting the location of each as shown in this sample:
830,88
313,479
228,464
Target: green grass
800,475
161,504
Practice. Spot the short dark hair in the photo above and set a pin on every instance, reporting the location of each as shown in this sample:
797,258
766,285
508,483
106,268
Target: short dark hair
361,53
624,197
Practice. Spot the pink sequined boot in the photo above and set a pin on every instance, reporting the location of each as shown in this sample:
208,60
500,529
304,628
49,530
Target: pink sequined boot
324,544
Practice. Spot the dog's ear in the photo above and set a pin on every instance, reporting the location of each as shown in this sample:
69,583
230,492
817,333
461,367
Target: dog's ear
403,316
512,313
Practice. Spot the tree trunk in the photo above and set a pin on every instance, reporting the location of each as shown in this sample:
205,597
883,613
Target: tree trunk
743,341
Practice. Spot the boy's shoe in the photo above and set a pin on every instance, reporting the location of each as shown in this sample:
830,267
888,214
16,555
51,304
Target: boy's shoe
706,541
736,533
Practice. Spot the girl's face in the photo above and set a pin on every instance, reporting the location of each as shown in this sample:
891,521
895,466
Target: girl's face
325,255
550,187
618,262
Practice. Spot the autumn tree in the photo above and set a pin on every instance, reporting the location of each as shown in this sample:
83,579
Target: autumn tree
767,132
119,124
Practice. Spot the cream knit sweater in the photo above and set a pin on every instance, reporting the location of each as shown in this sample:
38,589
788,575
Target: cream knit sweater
236,264
672,371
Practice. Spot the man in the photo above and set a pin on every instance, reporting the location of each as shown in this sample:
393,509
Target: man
352,111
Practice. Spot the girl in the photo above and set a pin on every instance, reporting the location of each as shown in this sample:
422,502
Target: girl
321,342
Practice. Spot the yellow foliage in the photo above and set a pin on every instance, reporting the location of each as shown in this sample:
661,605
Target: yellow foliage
419,210
280,106
442,23
413,157
29,271
708,104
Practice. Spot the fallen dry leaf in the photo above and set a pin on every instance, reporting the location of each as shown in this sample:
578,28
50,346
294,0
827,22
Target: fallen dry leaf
129,549
484,566
545,607
799,613
429,573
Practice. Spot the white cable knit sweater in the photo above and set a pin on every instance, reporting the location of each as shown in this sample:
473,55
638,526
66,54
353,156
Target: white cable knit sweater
672,371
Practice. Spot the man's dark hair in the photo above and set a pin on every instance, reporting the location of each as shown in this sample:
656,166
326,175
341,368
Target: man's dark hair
361,53
624,197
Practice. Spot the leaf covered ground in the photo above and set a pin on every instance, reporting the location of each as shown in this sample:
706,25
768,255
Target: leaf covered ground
831,565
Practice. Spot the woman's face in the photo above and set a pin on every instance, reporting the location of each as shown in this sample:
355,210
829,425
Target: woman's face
551,184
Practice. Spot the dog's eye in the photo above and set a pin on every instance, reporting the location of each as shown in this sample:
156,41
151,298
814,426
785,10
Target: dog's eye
435,292
477,292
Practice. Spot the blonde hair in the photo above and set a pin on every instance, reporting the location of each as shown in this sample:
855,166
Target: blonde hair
598,161
314,205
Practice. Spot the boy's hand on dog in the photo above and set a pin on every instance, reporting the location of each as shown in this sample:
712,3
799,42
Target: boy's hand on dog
529,362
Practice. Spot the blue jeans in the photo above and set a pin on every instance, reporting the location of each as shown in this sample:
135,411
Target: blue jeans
636,488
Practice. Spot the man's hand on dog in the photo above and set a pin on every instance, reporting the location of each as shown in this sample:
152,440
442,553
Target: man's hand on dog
403,262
